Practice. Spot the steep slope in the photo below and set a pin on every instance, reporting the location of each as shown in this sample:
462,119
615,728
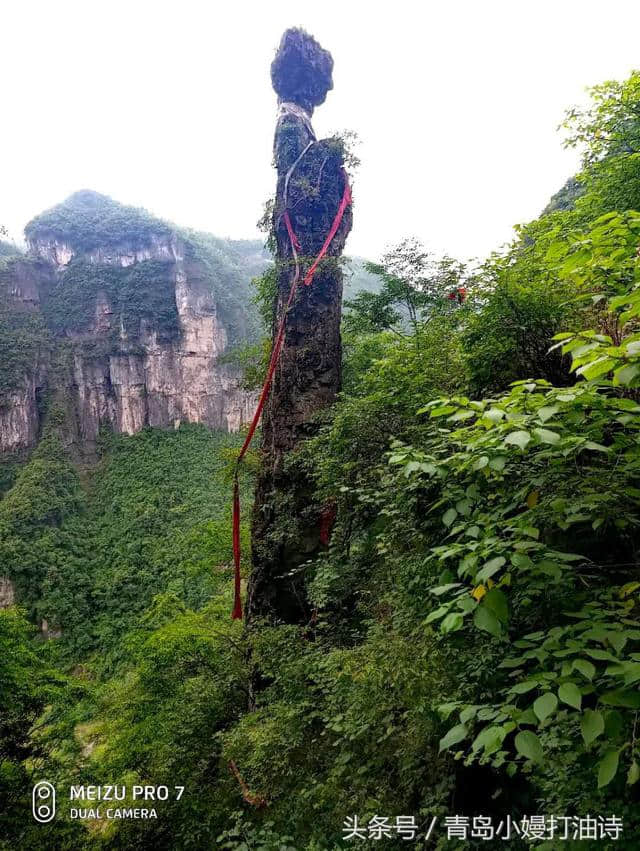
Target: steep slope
121,319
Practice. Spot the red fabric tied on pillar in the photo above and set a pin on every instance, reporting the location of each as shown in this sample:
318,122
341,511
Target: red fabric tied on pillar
327,520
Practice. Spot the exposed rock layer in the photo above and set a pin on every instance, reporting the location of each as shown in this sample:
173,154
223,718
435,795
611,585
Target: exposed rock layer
105,375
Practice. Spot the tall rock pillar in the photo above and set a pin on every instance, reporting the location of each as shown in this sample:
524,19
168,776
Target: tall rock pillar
286,529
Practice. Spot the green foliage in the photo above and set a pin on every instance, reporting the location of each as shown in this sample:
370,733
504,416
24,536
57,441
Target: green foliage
7,249
27,685
227,268
142,291
88,220
23,335
46,492
413,285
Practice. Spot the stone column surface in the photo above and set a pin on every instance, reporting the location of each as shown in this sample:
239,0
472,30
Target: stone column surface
310,186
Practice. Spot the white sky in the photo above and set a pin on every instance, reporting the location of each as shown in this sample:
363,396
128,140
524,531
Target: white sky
168,105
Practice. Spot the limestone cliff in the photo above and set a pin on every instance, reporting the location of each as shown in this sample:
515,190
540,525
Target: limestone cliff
121,320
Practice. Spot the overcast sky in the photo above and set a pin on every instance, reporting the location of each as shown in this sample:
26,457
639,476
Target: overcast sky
168,105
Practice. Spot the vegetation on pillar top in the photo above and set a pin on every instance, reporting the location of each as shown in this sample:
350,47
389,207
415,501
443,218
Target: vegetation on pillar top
301,71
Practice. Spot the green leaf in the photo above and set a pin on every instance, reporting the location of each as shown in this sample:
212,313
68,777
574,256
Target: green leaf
524,687
442,589
452,622
445,709
528,744
546,436
546,412
490,568
570,693
586,668
453,736
633,775
545,705
599,367
494,415
518,438
436,615
608,768
442,411
449,516
485,619
601,655
490,739
595,447
621,697
468,713
591,725
496,600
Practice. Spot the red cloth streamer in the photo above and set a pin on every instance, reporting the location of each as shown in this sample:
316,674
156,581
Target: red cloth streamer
346,200
237,599
273,362
327,519
293,239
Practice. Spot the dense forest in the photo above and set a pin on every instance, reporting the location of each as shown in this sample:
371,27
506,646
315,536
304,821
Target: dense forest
474,642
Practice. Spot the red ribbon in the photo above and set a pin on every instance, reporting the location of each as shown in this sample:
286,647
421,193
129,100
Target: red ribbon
273,362
346,200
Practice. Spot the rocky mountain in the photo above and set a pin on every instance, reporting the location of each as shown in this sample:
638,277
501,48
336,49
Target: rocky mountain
119,319
115,318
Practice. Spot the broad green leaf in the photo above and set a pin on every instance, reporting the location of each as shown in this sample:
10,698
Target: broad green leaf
468,713
491,567
436,615
633,775
545,705
546,412
449,516
546,436
518,438
523,688
445,709
629,698
595,447
601,655
570,693
591,725
452,622
442,411
528,744
586,668
607,768
626,374
490,739
496,600
485,619
599,367
442,589
453,736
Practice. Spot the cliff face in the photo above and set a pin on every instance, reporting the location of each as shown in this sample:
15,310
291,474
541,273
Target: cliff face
133,316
